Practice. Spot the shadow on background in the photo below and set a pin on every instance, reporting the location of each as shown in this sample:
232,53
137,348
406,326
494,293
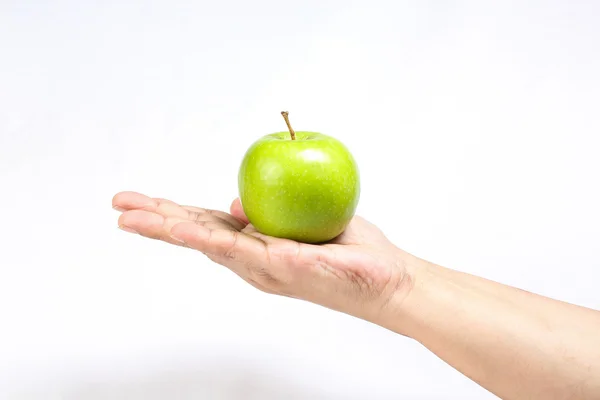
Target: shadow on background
220,382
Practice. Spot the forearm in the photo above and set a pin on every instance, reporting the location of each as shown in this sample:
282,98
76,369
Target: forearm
516,344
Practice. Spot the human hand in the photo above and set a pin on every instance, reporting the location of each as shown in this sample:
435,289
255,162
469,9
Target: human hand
358,273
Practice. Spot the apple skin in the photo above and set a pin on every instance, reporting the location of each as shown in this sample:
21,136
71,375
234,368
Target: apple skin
305,189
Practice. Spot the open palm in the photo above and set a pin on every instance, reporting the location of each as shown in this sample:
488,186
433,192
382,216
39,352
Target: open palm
356,273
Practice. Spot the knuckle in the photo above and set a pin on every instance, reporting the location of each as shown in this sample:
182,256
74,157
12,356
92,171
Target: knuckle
209,239
231,251
285,254
195,216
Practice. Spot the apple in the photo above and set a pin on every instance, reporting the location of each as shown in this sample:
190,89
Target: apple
303,186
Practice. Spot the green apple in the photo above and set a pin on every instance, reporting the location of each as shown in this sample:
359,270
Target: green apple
303,185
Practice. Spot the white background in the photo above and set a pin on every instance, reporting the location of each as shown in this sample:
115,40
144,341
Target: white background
475,125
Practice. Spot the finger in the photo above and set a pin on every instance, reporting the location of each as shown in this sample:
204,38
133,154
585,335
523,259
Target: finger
220,242
194,212
245,255
237,211
169,208
149,224
156,226
124,201
252,231
270,240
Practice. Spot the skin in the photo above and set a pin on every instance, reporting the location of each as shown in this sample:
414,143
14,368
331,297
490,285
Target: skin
305,189
516,344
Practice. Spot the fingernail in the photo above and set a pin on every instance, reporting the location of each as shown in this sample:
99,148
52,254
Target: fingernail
120,209
128,229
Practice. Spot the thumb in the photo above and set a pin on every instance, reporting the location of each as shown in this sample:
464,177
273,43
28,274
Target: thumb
237,211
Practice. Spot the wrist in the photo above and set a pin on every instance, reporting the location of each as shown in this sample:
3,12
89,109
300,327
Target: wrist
409,299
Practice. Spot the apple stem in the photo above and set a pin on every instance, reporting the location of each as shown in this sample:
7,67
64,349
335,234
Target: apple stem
287,121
